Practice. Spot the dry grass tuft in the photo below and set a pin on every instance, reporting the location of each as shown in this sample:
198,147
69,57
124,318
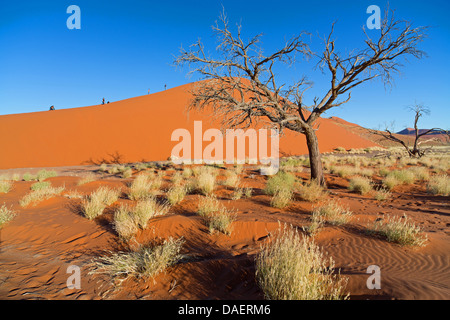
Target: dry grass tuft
146,261
6,215
293,267
400,230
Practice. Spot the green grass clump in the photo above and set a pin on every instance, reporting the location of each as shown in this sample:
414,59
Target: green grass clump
127,173
94,205
144,186
282,198
232,179
40,195
405,176
439,184
148,209
207,205
293,267
312,192
382,195
145,262
6,215
282,180
205,179
176,194
86,179
5,186
29,177
400,230
390,182
420,173
40,185
332,212
125,222
361,185
220,220
44,174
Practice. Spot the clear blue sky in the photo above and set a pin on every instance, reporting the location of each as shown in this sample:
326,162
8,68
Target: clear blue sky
125,48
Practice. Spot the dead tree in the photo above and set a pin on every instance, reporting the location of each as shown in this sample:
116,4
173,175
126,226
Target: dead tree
241,87
415,151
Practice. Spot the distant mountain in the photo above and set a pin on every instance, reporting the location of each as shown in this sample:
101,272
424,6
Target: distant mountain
412,132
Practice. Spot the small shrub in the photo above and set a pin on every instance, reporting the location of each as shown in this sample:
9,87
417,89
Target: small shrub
293,267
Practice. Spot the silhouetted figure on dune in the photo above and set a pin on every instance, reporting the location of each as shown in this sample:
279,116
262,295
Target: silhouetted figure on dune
52,108
103,101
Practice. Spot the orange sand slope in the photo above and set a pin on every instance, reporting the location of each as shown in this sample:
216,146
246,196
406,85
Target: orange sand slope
138,129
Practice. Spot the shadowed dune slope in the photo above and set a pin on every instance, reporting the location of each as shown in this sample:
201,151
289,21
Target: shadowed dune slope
138,129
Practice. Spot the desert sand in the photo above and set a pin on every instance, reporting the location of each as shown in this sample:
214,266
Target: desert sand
44,239
137,129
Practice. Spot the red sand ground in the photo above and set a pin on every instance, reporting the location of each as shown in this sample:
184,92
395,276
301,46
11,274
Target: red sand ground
43,240
40,243
138,129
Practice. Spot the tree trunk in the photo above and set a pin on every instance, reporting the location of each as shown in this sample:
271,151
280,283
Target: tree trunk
315,158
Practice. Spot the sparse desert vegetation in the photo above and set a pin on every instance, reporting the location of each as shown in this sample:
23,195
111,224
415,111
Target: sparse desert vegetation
145,262
400,230
41,194
6,215
5,186
95,203
293,267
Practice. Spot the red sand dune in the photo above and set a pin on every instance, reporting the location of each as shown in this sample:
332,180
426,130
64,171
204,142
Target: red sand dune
139,129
